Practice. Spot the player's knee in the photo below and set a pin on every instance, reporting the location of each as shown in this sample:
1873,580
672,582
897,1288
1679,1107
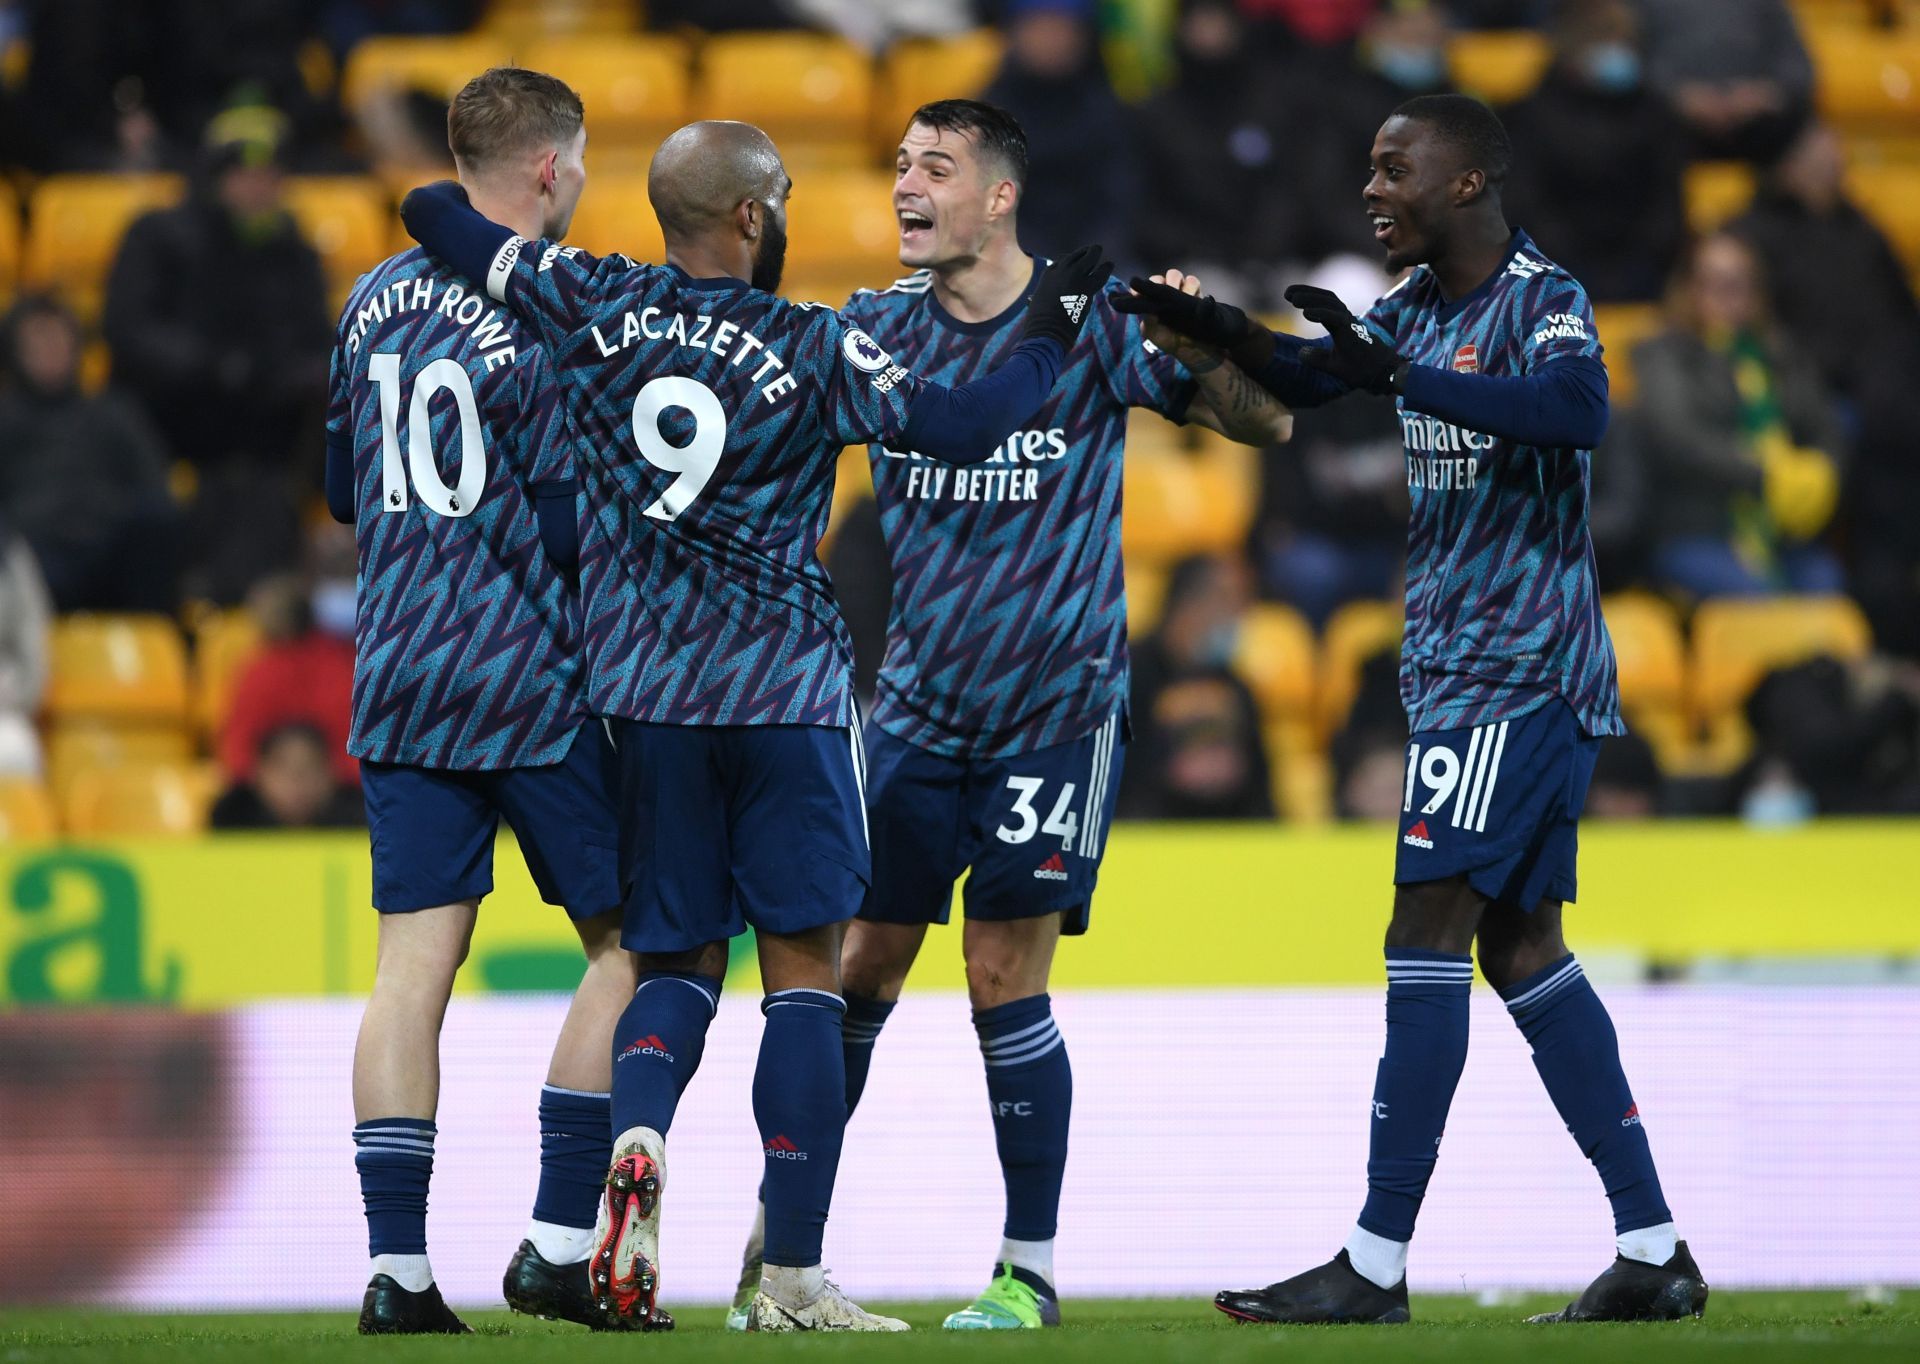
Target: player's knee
1436,916
422,951
1008,961
876,958
1515,943
709,959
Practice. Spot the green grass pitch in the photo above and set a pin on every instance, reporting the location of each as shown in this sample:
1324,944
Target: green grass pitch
1738,1327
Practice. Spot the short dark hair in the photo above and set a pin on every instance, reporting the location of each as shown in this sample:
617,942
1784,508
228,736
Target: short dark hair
993,130
1473,129
510,109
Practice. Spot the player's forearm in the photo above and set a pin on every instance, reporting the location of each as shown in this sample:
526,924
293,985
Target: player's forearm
340,482
966,425
1231,403
439,217
1292,380
1562,407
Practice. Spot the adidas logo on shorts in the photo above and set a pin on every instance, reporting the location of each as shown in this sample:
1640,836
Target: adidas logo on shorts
1053,869
1417,837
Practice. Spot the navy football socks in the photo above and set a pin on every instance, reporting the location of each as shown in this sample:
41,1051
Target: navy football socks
1577,1054
576,1142
799,1104
860,1030
1427,996
657,1046
1030,1091
395,1159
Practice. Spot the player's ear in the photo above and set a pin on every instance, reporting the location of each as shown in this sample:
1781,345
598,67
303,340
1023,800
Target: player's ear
1006,198
549,170
1471,185
747,219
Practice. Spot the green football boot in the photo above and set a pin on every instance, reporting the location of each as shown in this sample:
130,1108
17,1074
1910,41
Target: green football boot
1016,1300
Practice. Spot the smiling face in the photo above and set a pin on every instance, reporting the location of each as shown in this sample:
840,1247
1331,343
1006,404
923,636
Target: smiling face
1417,182
949,197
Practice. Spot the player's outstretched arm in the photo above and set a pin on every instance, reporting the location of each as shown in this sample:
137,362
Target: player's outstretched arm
439,217
1227,399
966,425
1272,360
1563,405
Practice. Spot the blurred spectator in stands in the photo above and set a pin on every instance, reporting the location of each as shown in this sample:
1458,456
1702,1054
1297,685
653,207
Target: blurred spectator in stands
1742,439
108,86
405,132
300,676
1079,135
218,319
292,786
873,25
1369,754
1626,780
1834,738
1315,23
1836,284
721,16
1332,527
26,618
1620,502
83,477
1197,751
1735,71
345,23
1402,52
1215,199
1598,157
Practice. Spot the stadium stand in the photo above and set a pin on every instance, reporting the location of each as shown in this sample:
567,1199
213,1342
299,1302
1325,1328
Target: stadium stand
141,801
74,228
26,811
637,88
811,92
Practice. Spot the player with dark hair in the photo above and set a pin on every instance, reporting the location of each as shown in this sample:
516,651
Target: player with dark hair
1508,677
446,449
999,724
709,416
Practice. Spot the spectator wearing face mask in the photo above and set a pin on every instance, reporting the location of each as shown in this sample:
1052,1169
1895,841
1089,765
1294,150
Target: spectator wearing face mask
1598,158
1400,53
1196,751
292,786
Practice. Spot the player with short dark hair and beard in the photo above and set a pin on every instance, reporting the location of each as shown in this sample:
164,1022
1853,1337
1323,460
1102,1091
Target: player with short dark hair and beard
1508,677
708,418
446,451
999,725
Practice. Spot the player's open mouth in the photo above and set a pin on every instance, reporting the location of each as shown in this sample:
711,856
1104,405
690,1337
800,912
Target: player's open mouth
1382,225
912,224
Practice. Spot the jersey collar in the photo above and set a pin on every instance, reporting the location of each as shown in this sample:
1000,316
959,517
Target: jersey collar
1517,243
716,282
992,324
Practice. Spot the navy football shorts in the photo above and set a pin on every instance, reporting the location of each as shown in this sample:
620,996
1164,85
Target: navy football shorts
433,829
1499,803
1032,828
726,826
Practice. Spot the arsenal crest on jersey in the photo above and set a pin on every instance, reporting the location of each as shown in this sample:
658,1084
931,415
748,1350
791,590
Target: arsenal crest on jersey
1466,360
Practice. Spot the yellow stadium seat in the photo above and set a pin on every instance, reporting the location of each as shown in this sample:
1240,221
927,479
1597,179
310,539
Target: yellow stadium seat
1648,648
852,484
1276,658
1716,192
812,93
1866,76
9,239
1302,782
26,811
1621,327
75,223
615,215
1357,631
148,801
124,669
347,220
1499,66
1177,504
1890,195
1737,642
88,746
223,644
438,65
635,88
526,21
1146,590
921,70
840,226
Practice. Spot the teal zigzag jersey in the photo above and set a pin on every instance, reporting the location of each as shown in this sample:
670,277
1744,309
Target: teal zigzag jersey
1008,631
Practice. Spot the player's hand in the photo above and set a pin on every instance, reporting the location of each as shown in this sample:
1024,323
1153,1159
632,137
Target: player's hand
1063,297
1192,314
1358,358
1196,357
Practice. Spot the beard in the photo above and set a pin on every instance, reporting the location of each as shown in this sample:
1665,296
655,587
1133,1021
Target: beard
772,257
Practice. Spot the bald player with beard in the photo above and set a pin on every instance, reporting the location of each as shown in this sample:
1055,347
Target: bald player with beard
708,418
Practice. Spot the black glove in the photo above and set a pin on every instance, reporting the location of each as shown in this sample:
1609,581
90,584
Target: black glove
1358,358
1063,296
1201,318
